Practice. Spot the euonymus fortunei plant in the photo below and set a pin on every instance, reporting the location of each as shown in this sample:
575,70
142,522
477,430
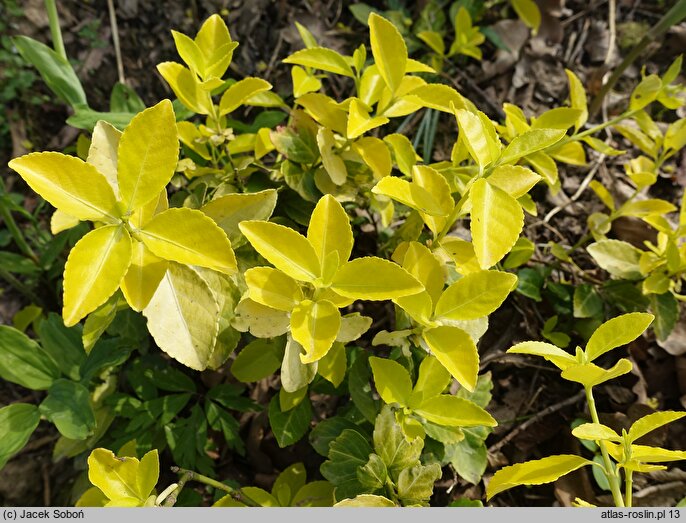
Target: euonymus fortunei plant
227,234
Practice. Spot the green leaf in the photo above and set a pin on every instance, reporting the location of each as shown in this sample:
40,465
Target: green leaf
392,380
323,59
360,389
68,406
326,431
147,155
290,481
619,258
374,474
17,423
284,248
651,422
24,362
456,351
94,269
475,295
183,317
530,142
258,359
416,484
69,184
229,210
290,426
294,373
555,355
315,325
617,332
371,278
452,411
241,92
347,453
389,50
366,500
393,447
521,253
666,311
535,472
595,432
410,194
314,494
64,345
56,71
329,230
587,302
497,220
590,375
189,237
469,457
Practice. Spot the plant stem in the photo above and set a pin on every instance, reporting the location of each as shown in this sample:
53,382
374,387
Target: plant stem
628,487
55,31
189,475
610,469
19,286
115,41
14,230
675,15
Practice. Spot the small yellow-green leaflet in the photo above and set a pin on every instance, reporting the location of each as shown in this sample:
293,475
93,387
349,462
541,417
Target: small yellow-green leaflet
577,98
436,185
392,380
432,380
375,154
102,153
273,288
188,236
183,317
372,278
475,136
323,59
304,82
595,432
590,375
475,295
451,411
284,248
186,87
651,422
69,184
359,121
144,275
456,351
557,118
333,365
147,155
421,263
189,52
534,472
260,320
122,478
330,230
315,326
215,44
389,50
333,163
497,220
410,194
555,355
403,153
240,92
617,332
94,269
530,142
515,180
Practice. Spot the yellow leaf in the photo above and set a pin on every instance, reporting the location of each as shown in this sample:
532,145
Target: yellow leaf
530,142
190,136
303,82
325,111
359,121
410,194
595,432
273,288
442,98
528,12
375,154
188,236
403,153
434,183
183,317
123,478
392,380
315,325
102,153
534,472
240,92
475,295
186,87
69,184
321,58
141,216
389,50
372,278
61,221
215,44
476,135
651,422
557,356
497,220
590,375
451,411
617,332
333,366
433,39
330,230
148,153
421,263
144,275
94,270
515,180
260,320
456,351
189,52
333,163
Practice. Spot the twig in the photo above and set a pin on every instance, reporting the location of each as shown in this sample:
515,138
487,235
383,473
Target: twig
189,475
656,489
531,421
115,41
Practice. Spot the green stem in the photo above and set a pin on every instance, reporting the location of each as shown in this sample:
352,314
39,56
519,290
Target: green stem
189,475
628,487
55,31
610,469
19,286
675,15
14,230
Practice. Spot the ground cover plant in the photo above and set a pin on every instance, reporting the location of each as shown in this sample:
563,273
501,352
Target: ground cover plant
238,295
